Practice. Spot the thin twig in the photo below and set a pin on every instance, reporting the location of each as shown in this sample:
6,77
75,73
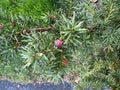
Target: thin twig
34,30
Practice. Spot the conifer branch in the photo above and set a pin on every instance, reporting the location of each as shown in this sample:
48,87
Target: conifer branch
34,30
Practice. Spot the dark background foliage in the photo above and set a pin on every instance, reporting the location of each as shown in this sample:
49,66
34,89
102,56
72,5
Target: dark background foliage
91,41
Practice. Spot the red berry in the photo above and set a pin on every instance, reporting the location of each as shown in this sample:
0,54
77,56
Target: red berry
64,62
23,31
1,26
58,43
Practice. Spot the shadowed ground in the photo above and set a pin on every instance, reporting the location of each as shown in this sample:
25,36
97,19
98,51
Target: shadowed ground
7,85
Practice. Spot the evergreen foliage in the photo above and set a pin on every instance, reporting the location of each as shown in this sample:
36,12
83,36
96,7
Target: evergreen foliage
89,56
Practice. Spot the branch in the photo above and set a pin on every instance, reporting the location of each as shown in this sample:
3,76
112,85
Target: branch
35,30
